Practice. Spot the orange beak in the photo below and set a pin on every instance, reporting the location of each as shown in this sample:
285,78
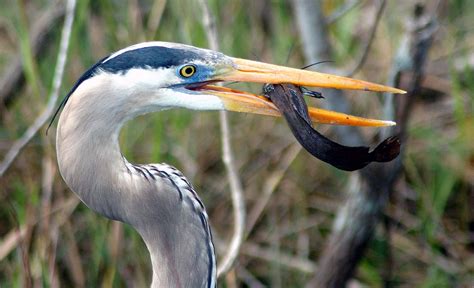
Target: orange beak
257,72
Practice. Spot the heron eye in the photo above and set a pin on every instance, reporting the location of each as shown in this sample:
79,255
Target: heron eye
187,71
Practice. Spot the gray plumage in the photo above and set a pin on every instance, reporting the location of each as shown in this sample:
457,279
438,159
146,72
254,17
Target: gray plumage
155,199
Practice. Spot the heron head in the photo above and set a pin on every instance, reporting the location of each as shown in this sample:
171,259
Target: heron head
158,75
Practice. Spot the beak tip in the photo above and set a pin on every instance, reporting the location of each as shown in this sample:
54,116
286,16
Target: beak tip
390,123
399,91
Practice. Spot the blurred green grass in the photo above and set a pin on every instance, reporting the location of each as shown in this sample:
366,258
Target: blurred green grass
431,210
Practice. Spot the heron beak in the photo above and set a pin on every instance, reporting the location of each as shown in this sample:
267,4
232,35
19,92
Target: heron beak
258,72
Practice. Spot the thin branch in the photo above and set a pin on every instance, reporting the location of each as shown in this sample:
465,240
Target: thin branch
237,198
12,240
115,239
48,238
228,159
154,19
346,8
57,81
368,44
209,25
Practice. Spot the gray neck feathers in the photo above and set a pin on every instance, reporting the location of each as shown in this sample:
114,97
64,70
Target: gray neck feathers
155,199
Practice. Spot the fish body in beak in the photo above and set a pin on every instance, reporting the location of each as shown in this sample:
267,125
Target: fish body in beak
289,100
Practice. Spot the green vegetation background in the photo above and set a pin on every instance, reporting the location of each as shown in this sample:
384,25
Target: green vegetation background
431,242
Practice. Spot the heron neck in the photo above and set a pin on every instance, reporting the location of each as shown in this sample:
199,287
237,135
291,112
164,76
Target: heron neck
174,229
88,150
90,161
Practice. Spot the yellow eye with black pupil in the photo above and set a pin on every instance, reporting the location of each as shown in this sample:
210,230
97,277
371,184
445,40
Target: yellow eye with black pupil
187,71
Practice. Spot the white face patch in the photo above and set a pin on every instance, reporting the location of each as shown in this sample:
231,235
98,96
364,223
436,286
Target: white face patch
146,90
195,101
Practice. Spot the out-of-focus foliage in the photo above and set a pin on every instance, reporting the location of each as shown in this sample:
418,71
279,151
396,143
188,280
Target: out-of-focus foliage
431,213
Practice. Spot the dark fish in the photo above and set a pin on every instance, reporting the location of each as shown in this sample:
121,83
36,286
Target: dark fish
289,100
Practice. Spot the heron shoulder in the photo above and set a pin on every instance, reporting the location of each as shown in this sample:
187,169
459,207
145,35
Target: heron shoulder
174,178
177,183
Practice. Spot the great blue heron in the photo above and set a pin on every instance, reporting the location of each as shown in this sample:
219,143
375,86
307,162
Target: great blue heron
156,199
